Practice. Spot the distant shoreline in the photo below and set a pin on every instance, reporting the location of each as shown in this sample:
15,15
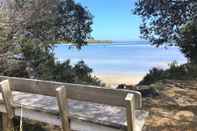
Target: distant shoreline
111,41
99,41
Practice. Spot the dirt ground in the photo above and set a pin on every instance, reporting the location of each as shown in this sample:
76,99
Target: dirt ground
174,109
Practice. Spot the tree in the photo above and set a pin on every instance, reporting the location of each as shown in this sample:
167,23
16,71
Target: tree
49,21
29,31
168,22
188,41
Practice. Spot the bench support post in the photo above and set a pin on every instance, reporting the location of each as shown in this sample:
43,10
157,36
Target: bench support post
8,100
130,110
7,123
63,107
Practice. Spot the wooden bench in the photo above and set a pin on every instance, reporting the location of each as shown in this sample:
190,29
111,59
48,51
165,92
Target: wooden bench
71,106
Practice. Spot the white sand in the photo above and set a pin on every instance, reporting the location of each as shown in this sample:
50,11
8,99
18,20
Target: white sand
115,79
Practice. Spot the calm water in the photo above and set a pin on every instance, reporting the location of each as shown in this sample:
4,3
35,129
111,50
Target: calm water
120,58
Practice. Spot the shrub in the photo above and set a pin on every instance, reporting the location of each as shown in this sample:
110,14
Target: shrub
154,75
175,72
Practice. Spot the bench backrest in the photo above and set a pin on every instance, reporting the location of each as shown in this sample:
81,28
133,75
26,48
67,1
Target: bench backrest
74,91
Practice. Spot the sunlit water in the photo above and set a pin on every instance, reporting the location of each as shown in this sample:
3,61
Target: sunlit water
125,59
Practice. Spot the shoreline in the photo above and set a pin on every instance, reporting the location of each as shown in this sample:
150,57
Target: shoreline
116,79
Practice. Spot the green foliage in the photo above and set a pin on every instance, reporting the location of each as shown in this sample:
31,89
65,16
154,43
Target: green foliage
188,41
39,64
48,22
170,22
175,71
78,18
80,73
154,75
163,19
29,31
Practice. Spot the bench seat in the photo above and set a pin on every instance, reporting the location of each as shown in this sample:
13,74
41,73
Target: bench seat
84,116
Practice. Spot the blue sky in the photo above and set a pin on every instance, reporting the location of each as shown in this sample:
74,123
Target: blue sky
113,19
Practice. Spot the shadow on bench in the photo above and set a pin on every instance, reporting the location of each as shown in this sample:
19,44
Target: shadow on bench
64,100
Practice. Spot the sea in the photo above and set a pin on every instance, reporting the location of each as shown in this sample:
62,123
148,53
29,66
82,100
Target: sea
121,61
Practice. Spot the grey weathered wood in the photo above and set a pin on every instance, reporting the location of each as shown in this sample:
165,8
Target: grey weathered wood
7,98
94,117
8,101
130,112
63,107
129,99
74,91
7,123
76,125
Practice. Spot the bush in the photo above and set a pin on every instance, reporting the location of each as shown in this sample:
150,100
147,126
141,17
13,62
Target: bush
51,70
154,75
174,72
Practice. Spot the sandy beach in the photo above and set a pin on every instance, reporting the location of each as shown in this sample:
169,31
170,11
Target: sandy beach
115,79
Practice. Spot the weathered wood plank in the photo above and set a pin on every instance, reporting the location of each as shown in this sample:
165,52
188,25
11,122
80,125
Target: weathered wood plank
74,91
7,123
63,107
130,112
8,101
7,98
